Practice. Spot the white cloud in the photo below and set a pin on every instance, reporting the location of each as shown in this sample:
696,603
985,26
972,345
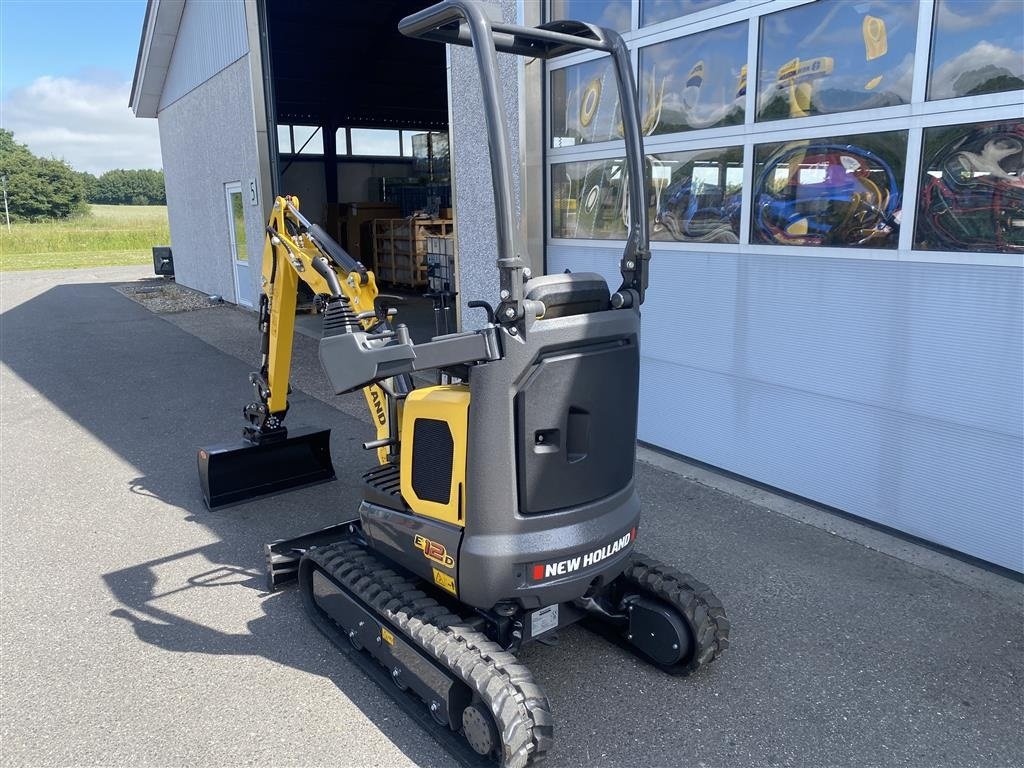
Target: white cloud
981,15
89,124
984,54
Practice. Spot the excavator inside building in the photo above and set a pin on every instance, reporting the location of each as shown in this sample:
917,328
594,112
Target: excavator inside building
501,505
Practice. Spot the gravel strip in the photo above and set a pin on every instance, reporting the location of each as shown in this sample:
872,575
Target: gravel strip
164,297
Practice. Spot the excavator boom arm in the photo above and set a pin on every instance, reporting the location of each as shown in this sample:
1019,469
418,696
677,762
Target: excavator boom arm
269,459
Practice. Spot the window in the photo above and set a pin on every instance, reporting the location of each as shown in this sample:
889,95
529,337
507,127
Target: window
770,125
380,142
972,188
841,191
409,138
697,195
835,56
585,104
655,11
698,81
238,226
615,14
307,140
589,200
284,139
976,48
341,142
300,140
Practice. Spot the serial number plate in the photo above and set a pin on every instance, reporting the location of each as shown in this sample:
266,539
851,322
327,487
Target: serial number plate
543,620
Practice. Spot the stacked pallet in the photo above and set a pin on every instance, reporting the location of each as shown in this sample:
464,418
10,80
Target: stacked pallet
400,249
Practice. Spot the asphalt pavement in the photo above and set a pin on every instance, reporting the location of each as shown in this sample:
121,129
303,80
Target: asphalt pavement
134,628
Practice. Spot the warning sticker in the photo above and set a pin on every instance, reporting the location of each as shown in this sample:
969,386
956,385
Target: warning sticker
543,620
444,580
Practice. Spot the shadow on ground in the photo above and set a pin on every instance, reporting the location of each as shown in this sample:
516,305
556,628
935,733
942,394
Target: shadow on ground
841,656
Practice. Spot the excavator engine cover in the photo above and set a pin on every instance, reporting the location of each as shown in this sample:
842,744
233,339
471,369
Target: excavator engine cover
231,473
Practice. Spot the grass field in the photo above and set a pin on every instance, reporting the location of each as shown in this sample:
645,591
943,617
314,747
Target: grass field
110,235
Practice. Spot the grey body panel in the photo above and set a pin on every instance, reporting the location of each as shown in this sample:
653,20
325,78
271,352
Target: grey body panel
392,532
499,541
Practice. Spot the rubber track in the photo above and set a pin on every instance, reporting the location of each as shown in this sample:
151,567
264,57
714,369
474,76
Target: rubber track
700,607
518,705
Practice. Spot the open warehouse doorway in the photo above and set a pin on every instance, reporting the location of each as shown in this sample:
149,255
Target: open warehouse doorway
359,132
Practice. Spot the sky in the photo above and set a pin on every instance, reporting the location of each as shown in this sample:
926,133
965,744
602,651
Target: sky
66,70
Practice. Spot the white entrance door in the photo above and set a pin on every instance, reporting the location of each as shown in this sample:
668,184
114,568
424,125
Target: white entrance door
239,251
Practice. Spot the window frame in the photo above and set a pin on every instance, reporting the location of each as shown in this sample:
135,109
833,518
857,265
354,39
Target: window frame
913,118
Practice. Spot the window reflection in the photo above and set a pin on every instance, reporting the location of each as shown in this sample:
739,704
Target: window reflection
836,56
694,197
843,191
697,195
972,189
588,200
614,14
698,81
585,104
656,11
976,48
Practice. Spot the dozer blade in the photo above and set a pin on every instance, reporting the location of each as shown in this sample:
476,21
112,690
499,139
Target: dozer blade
231,473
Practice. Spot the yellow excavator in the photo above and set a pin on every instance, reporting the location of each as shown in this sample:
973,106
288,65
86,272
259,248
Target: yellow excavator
502,505
269,459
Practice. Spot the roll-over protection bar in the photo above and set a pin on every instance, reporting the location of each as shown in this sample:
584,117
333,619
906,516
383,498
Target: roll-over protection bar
465,22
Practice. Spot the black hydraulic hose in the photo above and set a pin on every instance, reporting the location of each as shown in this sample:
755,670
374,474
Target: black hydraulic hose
323,268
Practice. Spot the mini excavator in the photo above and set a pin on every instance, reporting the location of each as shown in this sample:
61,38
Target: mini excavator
502,506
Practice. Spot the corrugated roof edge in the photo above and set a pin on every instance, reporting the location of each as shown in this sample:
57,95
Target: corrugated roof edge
162,18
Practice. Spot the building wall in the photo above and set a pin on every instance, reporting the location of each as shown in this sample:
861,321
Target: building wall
212,34
877,370
472,188
890,390
208,139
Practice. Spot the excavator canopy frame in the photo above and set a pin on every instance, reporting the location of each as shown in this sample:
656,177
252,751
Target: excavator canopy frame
465,22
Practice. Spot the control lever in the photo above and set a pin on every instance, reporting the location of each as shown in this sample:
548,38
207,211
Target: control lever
385,305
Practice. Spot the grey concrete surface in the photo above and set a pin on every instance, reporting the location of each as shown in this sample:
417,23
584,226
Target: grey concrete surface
135,630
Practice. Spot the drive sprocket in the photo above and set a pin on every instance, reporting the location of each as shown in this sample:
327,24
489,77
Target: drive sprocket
698,606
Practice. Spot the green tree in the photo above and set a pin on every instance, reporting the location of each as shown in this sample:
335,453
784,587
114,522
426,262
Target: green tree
37,187
129,187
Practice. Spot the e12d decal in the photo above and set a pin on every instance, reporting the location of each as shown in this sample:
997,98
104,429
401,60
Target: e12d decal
543,571
435,551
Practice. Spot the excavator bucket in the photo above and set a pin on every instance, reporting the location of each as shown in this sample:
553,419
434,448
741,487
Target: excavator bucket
231,473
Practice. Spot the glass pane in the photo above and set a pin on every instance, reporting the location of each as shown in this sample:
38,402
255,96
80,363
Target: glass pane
699,81
655,11
407,141
614,14
284,140
842,191
588,200
340,142
585,104
238,220
382,142
836,56
972,189
308,140
976,48
697,195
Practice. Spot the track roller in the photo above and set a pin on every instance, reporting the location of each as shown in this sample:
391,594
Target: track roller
466,682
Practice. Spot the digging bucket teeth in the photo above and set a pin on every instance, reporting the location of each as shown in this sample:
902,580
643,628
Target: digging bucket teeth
231,473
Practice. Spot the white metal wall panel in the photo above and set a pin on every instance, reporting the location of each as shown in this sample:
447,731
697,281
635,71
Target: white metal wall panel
891,390
211,36
208,139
